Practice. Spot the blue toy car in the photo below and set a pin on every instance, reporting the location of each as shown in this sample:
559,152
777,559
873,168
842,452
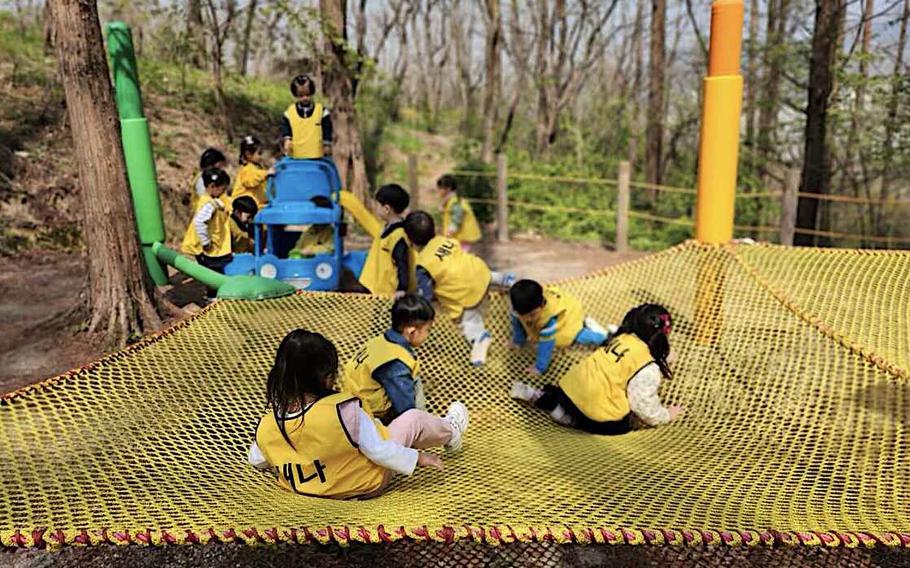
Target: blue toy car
303,208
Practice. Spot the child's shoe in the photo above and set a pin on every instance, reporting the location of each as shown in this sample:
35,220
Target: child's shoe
508,279
457,416
479,350
524,392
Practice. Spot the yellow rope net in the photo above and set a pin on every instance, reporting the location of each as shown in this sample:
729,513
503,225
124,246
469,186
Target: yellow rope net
796,427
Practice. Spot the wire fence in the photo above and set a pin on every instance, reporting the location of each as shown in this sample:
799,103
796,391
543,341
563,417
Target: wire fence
777,199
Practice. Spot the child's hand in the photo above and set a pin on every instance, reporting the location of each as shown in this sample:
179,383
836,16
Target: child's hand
508,343
429,460
327,149
398,294
287,146
675,412
271,171
532,370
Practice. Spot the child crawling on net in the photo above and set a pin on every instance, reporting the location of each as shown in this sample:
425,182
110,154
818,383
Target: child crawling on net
322,443
600,393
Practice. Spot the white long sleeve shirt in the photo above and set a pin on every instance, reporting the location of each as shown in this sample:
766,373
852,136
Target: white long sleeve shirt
364,432
643,398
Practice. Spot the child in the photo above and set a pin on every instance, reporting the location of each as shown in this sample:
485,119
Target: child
458,279
208,237
321,443
389,266
243,210
251,176
383,373
211,158
600,393
315,239
458,220
306,127
552,318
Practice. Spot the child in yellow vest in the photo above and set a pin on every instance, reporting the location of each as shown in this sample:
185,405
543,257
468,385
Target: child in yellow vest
389,266
315,239
210,158
458,220
306,127
208,236
251,177
551,317
600,394
322,443
456,278
243,210
383,373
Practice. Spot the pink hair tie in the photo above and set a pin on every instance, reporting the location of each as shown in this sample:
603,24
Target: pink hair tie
665,318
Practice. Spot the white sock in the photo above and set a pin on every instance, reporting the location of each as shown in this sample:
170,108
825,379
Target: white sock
525,392
560,416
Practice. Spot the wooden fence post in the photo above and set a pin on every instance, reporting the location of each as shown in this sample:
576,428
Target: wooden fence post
502,199
789,203
413,186
622,207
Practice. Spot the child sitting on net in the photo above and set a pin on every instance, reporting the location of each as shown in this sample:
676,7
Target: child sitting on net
323,443
600,393
551,317
457,279
383,374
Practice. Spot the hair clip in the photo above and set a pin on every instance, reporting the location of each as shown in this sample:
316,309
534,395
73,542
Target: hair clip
665,320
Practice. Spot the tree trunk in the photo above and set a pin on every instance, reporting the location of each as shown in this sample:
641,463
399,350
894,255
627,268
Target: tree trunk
751,81
195,28
247,32
49,41
119,301
816,159
638,63
655,128
493,79
337,83
544,33
898,86
767,114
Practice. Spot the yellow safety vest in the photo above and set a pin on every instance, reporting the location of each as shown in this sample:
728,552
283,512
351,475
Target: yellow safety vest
379,274
597,385
251,180
194,197
306,133
324,461
358,373
219,230
460,279
570,316
469,231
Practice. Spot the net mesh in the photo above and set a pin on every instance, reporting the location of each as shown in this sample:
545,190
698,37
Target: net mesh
792,365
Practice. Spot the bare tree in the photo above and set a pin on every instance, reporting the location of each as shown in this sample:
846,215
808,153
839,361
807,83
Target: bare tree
493,75
769,107
751,80
637,65
119,297
220,20
899,85
816,158
244,51
654,133
338,83
195,29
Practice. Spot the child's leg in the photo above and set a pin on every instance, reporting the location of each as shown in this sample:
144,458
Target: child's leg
503,279
546,399
216,263
475,331
593,333
420,430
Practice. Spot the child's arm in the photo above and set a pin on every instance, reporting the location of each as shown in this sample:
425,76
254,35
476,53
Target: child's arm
200,221
254,178
546,343
401,260
455,220
519,337
643,398
384,453
425,284
396,379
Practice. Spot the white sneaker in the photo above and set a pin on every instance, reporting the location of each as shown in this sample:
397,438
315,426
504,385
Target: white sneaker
524,392
458,418
479,350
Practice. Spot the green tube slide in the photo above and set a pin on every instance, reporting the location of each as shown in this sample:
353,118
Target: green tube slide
143,179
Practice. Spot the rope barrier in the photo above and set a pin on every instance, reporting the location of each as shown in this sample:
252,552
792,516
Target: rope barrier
526,205
659,219
850,199
836,235
537,177
665,188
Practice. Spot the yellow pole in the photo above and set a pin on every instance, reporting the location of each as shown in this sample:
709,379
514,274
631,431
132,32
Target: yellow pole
718,151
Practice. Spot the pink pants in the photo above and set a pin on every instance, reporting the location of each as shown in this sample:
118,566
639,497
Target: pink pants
420,430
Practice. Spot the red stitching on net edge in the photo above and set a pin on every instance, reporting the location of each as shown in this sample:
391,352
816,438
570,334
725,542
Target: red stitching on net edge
493,535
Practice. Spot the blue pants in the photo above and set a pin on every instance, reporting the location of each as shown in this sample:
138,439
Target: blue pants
590,337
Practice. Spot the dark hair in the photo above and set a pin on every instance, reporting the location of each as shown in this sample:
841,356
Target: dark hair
210,157
526,296
215,176
321,201
419,227
394,196
301,80
304,363
245,204
249,145
411,309
651,323
446,182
